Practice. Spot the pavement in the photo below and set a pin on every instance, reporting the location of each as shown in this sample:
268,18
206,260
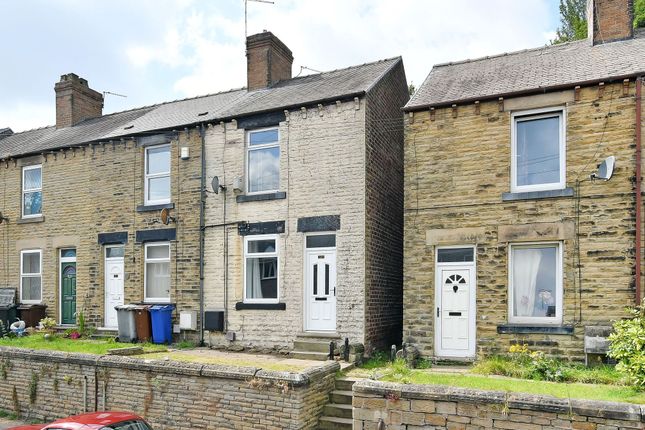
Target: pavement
5,423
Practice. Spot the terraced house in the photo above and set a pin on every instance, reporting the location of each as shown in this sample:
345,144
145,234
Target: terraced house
300,229
516,230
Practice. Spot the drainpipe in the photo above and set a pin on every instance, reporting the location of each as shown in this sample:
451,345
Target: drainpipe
639,198
202,203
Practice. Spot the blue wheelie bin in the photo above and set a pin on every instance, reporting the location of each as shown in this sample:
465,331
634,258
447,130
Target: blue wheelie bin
161,316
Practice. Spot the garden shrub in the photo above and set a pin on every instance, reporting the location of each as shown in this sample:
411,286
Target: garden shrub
627,345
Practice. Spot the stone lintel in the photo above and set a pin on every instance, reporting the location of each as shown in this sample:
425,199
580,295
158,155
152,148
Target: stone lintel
536,232
455,236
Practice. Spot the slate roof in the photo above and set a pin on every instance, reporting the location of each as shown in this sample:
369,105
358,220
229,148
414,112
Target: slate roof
531,70
300,91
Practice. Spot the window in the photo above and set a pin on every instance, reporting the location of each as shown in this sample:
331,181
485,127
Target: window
128,425
32,191
157,272
321,241
260,269
538,150
535,279
30,276
263,169
455,255
157,169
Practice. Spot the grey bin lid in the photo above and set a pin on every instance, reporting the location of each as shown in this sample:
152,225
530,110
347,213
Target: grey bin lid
7,297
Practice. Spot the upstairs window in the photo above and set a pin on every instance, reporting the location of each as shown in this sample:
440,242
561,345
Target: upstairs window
32,191
538,151
263,160
30,276
157,172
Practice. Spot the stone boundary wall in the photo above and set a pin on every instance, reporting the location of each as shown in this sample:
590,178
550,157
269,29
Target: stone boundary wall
170,395
412,407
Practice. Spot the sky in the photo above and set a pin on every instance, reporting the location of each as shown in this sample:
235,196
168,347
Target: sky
154,51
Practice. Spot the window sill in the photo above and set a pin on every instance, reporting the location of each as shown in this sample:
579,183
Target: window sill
278,195
151,208
240,306
531,195
533,329
31,220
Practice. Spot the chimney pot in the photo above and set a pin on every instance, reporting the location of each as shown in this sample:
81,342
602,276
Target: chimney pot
609,20
76,101
268,60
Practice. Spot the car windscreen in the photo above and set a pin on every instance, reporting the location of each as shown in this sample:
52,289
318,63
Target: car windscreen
128,425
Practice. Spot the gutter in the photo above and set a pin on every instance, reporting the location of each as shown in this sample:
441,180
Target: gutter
639,195
519,93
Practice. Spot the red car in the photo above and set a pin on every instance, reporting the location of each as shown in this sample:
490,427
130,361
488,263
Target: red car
94,421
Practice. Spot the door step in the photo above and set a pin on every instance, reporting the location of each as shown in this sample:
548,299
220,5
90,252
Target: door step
337,410
330,423
314,348
309,355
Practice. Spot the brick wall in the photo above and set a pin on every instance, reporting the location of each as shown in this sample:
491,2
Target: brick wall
610,20
93,190
384,210
456,169
408,407
170,395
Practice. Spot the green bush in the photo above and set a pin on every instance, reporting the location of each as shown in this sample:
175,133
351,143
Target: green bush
627,345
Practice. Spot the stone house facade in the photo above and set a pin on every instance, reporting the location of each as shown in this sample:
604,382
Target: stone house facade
508,237
102,210
304,238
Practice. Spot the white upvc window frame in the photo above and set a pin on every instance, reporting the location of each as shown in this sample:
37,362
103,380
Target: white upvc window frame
527,115
250,148
148,176
275,254
559,287
147,260
31,190
31,275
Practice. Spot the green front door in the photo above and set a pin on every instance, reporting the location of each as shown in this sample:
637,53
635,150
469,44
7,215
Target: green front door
68,293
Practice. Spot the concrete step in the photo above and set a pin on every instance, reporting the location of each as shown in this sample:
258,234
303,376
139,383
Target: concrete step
341,397
309,355
311,345
345,384
337,410
331,423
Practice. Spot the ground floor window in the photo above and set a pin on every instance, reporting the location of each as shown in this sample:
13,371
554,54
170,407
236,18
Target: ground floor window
535,283
31,276
261,269
157,272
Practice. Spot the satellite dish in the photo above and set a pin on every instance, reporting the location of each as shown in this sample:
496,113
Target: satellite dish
165,216
1,218
215,184
605,169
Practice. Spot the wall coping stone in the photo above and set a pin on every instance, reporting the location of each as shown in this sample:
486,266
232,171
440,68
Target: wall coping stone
296,379
544,403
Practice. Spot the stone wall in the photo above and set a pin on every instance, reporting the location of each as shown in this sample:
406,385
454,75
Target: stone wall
408,407
457,167
170,395
97,189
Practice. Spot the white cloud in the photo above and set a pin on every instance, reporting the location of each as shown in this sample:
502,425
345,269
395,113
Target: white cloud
23,116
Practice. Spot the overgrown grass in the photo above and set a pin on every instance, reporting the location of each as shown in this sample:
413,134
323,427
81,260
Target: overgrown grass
226,360
86,346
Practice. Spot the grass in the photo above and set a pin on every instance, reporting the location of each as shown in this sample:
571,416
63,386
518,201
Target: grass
511,375
86,346
224,360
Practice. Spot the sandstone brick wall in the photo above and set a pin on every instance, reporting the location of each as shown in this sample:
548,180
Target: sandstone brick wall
384,210
322,172
456,169
96,189
408,407
170,395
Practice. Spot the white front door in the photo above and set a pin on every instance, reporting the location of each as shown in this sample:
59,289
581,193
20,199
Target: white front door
455,304
114,283
320,286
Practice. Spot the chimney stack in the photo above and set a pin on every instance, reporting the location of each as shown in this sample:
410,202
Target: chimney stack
268,60
76,101
609,20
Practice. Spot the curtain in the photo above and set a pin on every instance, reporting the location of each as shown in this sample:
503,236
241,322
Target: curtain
526,263
253,278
